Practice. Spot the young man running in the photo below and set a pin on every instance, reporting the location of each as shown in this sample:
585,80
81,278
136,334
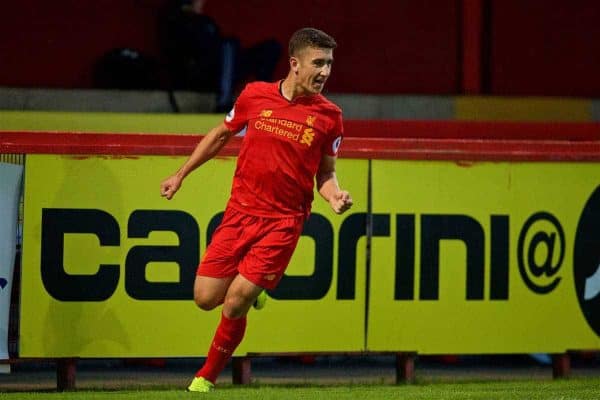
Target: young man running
292,137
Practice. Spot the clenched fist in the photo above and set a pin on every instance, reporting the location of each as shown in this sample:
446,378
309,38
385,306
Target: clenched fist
170,186
340,201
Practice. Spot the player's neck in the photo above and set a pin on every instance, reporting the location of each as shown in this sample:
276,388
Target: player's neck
290,90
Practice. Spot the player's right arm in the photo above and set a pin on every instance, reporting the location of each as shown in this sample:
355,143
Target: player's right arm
206,149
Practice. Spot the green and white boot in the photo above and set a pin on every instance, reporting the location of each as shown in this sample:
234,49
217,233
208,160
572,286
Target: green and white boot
201,385
260,301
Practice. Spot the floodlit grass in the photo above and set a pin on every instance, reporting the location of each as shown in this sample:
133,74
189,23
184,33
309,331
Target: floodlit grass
579,389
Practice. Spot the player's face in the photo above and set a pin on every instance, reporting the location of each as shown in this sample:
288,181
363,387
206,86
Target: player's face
312,67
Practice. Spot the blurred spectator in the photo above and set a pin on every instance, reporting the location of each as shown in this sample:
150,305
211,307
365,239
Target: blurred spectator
199,58
126,68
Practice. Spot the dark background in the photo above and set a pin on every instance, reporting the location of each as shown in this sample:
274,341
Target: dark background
529,47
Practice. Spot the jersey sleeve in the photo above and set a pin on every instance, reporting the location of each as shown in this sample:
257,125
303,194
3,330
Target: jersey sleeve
334,138
237,118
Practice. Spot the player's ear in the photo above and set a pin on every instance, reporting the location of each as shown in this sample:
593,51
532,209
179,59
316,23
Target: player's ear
294,64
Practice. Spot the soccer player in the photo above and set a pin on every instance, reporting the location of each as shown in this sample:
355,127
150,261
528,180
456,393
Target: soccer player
292,137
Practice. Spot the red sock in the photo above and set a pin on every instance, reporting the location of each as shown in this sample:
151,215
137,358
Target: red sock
228,336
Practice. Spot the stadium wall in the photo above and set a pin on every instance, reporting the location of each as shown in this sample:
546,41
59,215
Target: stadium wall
467,240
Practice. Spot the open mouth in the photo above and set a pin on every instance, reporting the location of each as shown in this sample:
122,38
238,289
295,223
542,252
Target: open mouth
318,83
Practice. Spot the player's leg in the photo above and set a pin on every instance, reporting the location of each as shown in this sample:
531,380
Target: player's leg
239,298
261,267
209,292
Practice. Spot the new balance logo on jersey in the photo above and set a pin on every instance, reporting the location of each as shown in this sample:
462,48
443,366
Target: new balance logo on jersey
308,137
266,113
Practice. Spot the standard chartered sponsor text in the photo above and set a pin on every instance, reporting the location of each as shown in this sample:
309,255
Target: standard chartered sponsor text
264,126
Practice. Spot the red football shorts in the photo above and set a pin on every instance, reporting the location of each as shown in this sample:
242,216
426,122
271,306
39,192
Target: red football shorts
259,248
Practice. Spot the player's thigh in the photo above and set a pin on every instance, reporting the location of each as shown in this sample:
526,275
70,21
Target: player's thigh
209,292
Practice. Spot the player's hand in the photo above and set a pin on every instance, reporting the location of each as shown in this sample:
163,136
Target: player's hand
340,201
170,186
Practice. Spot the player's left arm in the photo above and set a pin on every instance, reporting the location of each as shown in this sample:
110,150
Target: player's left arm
328,187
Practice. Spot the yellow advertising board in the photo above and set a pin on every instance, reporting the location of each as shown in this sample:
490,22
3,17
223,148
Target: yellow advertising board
108,265
504,108
103,122
465,258
484,257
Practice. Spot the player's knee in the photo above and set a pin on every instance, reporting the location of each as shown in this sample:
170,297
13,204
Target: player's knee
204,302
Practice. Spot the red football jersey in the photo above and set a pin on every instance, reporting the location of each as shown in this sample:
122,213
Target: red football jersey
281,150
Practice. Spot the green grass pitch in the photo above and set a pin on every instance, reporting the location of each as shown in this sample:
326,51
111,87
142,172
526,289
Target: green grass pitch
571,389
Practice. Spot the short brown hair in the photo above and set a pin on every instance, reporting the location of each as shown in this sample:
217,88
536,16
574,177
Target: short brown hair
310,37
